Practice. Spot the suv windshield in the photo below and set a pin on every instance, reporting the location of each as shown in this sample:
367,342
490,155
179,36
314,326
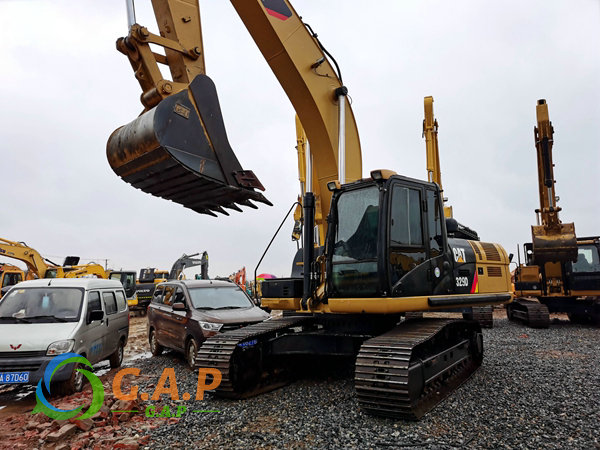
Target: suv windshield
47,304
219,298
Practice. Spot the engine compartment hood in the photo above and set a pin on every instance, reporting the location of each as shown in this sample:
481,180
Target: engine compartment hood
27,337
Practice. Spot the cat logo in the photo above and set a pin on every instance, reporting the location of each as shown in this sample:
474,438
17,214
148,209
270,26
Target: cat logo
459,255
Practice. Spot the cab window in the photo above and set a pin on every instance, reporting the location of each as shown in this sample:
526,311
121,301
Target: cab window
406,249
434,223
110,303
354,261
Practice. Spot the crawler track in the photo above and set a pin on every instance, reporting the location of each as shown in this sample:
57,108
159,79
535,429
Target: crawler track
531,313
482,314
407,371
240,356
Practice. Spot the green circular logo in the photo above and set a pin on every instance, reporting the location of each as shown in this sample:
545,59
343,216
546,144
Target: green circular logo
44,406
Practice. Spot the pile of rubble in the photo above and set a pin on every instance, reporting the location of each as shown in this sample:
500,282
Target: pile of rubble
108,428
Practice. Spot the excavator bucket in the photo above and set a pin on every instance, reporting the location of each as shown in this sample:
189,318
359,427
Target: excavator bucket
179,151
554,246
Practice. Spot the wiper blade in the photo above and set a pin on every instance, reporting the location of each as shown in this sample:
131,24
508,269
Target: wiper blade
19,319
60,319
229,307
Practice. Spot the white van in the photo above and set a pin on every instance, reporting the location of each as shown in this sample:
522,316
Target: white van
40,319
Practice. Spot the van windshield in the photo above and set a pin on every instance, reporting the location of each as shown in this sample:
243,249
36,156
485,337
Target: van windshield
219,298
41,305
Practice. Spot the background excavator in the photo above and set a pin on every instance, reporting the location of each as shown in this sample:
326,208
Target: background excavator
150,277
9,276
39,267
561,272
483,314
386,248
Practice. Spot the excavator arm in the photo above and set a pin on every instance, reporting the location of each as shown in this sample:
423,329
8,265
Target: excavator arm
553,241
19,250
187,261
178,149
430,133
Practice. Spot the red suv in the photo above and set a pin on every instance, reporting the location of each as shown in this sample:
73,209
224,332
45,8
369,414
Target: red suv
182,314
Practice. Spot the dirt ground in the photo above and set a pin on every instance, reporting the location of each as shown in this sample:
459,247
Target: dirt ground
20,429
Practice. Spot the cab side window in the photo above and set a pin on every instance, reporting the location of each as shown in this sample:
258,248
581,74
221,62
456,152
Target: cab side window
94,301
121,302
407,249
110,303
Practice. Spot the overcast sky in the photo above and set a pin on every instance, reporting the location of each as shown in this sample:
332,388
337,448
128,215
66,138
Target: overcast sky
64,88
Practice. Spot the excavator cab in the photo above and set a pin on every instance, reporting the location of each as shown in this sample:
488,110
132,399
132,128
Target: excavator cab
177,148
395,245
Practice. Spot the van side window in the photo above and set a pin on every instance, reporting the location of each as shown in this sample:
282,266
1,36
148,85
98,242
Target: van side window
110,303
169,295
121,302
94,301
179,297
157,296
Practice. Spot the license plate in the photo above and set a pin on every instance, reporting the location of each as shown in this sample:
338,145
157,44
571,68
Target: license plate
14,377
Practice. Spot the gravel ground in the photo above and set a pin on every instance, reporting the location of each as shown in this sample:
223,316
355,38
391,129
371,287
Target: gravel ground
535,389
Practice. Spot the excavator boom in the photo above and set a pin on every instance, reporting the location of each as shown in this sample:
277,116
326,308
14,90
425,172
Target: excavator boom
553,241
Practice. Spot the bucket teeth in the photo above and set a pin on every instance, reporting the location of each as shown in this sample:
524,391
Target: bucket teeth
208,212
234,207
262,199
248,203
218,209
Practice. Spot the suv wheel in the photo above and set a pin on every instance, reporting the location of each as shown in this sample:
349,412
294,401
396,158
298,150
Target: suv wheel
155,347
191,352
117,357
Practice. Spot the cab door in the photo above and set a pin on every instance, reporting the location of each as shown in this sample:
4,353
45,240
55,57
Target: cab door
440,263
408,266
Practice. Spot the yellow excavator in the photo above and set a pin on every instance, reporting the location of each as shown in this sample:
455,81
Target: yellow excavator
561,273
386,249
9,276
39,267
483,314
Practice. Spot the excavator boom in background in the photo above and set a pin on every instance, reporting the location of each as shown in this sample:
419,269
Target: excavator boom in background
561,271
150,277
39,267
385,247
484,314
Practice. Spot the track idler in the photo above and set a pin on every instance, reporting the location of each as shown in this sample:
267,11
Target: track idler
179,151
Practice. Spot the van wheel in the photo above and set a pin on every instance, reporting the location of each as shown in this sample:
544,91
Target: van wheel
116,359
73,384
155,347
191,352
